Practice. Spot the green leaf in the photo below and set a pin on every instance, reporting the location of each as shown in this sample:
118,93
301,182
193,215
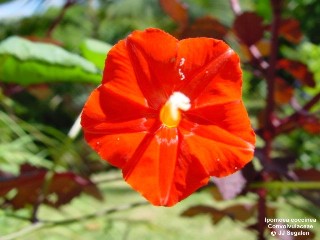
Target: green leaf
25,62
95,51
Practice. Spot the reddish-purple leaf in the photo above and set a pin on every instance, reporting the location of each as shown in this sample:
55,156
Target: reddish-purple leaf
283,91
237,212
308,175
249,173
29,185
249,27
205,27
215,214
280,165
240,212
311,124
290,30
298,70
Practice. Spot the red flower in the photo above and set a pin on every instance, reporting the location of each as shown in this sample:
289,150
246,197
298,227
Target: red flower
169,114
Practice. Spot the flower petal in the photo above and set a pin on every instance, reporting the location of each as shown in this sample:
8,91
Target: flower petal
162,173
106,106
151,171
153,55
119,74
114,125
211,70
219,151
116,149
231,116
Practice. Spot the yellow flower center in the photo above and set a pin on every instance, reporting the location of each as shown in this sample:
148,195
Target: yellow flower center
170,114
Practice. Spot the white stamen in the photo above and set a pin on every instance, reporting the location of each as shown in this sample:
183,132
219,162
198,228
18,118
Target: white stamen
179,101
182,61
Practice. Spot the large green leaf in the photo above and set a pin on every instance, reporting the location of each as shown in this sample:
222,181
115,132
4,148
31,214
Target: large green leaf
25,62
95,51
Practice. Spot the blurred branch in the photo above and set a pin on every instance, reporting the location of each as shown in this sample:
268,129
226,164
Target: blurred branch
276,11
107,179
235,6
312,102
59,18
268,133
290,123
256,54
268,69
23,231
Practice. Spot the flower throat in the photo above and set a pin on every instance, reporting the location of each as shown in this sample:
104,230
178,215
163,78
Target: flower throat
170,114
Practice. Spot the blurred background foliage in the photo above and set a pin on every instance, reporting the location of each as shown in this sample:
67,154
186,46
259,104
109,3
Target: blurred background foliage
52,58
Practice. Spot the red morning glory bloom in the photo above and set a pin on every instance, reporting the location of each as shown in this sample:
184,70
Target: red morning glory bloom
169,114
